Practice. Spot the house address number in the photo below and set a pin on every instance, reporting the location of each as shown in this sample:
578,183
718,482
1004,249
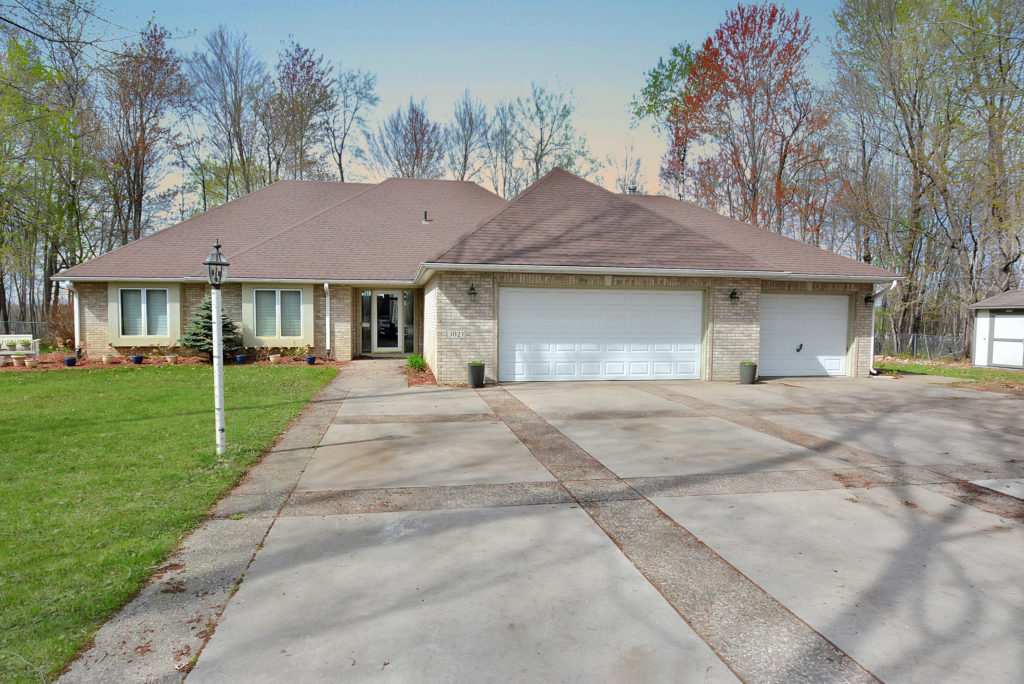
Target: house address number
456,333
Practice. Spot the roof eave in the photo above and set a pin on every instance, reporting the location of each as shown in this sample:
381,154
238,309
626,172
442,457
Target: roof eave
428,269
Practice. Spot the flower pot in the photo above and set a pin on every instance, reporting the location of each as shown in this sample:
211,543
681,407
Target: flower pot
275,358
18,360
24,347
137,358
171,358
475,371
240,358
108,359
31,362
748,373
9,346
70,361
310,359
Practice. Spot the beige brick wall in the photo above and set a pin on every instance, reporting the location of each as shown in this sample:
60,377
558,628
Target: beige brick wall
429,318
734,329
341,322
92,312
732,326
476,320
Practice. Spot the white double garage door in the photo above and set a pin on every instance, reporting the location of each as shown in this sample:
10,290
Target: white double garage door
594,334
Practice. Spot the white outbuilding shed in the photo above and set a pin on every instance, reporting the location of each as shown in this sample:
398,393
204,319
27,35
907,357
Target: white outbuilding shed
999,330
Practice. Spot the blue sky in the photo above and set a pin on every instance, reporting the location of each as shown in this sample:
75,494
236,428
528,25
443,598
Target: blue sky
600,50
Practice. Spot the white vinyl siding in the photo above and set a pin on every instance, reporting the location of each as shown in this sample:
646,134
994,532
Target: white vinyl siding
278,313
598,334
143,312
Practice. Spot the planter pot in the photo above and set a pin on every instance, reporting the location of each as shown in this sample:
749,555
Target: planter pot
9,346
241,358
18,360
108,359
275,358
310,360
137,358
172,358
3,360
476,374
748,373
31,362
70,361
24,347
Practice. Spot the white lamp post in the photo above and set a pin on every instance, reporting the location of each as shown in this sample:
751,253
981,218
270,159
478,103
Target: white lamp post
217,272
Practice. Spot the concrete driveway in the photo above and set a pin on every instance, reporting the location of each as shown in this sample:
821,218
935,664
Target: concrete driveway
800,530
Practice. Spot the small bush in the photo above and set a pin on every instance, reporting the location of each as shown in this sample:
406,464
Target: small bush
416,362
60,325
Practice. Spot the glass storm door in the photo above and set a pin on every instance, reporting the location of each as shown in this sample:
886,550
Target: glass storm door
388,321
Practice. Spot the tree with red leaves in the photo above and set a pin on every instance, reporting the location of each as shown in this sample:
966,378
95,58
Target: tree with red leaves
749,107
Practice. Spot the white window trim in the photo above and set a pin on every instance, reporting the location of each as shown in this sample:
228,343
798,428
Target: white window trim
308,317
145,305
277,310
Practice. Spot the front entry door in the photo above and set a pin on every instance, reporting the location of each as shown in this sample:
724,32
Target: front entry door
388,322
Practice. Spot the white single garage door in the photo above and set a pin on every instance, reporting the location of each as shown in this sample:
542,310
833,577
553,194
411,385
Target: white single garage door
803,334
562,334
1007,339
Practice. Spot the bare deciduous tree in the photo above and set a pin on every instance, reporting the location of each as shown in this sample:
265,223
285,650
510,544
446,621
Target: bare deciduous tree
354,96
467,138
409,145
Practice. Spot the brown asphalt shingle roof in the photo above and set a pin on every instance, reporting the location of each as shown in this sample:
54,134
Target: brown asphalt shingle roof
378,235
563,220
178,251
306,230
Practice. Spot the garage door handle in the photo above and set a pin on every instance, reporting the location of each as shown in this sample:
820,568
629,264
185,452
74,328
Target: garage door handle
800,346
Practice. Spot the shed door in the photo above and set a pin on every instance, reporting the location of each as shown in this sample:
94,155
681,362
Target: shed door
1007,339
563,334
803,334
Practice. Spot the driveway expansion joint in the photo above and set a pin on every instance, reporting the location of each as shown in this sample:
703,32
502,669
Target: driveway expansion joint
744,625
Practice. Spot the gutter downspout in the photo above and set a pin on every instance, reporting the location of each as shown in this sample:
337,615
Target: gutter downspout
327,321
874,308
73,293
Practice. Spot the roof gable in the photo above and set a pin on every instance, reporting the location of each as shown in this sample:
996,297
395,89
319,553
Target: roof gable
563,220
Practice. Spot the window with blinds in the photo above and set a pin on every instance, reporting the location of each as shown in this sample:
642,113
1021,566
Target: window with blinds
144,312
278,313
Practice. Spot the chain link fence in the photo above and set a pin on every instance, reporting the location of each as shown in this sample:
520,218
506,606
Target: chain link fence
931,347
35,329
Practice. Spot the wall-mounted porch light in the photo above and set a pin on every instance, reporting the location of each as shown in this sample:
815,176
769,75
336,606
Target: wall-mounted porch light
472,292
734,295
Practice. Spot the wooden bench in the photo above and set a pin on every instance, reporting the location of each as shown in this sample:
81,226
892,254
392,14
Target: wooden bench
33,349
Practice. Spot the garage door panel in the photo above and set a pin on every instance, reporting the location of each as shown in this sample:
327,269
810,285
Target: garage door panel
566,334
803,335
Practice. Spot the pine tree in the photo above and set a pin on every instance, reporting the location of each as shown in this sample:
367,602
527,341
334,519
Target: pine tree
199,332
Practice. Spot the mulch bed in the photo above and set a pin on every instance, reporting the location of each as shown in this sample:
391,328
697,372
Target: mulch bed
419,377
55,361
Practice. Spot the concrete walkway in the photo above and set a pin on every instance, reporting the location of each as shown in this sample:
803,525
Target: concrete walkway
812,530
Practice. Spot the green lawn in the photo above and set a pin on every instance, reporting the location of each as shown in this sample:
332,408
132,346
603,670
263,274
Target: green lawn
102,471
953,371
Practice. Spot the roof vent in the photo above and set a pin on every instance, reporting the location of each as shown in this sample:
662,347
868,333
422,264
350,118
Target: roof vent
632,190
425,219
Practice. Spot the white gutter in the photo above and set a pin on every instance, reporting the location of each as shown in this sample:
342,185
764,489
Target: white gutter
74,308
396,284
427,269
327,321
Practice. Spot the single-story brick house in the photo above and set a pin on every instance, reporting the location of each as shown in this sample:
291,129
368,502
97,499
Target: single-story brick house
567,281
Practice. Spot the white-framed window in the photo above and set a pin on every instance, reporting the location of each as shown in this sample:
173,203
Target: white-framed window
143,311
277,313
